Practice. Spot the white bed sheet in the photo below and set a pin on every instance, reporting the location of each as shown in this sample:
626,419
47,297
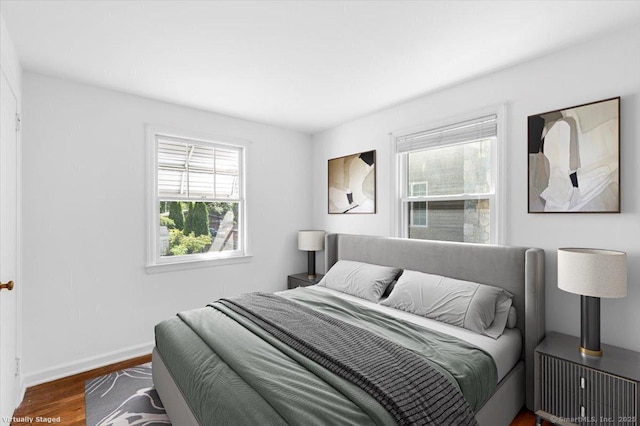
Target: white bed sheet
505,350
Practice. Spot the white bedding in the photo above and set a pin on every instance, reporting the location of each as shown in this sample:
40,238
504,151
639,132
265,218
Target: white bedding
504,350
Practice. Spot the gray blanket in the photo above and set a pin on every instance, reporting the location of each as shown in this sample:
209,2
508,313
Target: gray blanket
409,388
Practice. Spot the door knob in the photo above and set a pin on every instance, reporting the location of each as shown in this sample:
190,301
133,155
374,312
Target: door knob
8,286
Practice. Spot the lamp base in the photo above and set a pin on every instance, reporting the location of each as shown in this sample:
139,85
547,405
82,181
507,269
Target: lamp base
590,326
311,264
590,352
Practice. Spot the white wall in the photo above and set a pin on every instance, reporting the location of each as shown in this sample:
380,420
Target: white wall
9,60
599,69
88,299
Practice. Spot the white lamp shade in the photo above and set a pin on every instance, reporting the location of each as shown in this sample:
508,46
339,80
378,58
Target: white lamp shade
311,240
592,272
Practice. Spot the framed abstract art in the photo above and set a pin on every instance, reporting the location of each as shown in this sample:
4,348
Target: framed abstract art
574,159
352,184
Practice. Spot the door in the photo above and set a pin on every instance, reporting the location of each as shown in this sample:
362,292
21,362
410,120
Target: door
8,249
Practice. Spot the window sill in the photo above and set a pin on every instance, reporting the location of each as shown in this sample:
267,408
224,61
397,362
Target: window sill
199,263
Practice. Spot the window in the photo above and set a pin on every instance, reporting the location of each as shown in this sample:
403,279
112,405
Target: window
418,214
447,182
419,189
197,204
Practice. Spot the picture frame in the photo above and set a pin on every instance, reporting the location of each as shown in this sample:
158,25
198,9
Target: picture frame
574,159
351,187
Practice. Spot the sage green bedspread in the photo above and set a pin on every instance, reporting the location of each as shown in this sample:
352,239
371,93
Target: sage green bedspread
232,372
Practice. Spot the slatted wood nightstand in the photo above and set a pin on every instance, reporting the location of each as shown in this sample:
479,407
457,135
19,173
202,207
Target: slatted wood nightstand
576,389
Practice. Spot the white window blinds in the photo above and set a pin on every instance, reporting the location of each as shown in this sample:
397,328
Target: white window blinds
466,131
189,170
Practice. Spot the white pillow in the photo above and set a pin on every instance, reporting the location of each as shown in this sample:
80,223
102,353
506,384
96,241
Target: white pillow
513,318
503,308
476,307
363,280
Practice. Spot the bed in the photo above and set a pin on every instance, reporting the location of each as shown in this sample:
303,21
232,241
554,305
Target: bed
203,378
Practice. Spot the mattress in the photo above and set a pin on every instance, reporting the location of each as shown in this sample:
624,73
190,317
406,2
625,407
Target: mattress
506,351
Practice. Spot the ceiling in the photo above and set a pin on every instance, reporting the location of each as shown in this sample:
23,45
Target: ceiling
304,65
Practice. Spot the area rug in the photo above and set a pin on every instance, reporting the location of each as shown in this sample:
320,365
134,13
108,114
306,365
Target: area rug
126,397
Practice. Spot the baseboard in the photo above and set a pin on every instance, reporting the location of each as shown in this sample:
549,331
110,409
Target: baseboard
82,365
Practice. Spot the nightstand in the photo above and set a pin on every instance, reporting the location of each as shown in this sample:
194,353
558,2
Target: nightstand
572,388
301,280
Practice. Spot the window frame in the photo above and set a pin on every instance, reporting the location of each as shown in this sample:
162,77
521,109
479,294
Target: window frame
158,263
400,199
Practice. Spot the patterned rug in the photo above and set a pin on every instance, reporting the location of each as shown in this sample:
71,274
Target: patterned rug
126,397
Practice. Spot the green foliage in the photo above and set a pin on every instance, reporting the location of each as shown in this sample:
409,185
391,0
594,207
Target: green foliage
196,244
164,206
175,214
188,234
220,209
167,221
200,220
197,220
178,251
188,221
181,244
175,237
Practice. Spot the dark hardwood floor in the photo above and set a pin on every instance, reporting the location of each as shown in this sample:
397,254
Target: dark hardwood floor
64,398
526,418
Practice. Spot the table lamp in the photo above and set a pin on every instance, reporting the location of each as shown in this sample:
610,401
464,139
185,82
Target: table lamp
592,273
311,241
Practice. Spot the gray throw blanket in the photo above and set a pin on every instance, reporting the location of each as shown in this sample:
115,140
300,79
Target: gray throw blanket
410,389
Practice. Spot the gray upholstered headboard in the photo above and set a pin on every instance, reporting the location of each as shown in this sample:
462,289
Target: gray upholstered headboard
519,270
